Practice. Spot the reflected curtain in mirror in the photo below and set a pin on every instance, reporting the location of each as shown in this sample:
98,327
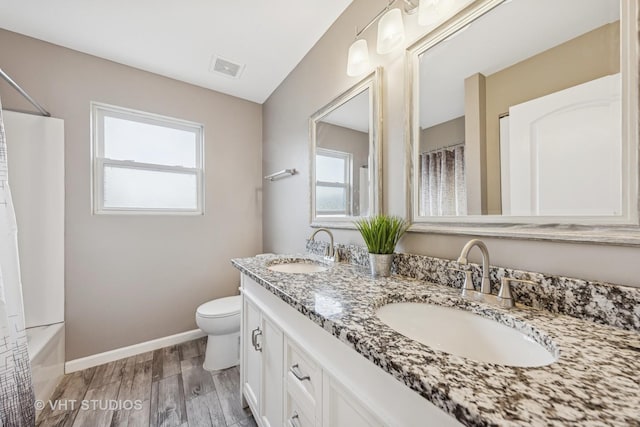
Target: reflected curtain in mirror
544,95
499,64
442,182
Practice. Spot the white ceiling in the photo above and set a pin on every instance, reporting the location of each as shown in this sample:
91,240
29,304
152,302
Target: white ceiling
510,33
177,39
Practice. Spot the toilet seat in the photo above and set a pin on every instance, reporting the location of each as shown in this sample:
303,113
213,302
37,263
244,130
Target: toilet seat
221,307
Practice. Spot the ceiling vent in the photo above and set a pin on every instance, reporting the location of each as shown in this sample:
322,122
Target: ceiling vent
225,67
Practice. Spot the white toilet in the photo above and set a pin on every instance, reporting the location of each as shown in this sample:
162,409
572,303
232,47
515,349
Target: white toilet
220,320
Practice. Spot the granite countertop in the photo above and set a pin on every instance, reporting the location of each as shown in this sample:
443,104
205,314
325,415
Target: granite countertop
596,380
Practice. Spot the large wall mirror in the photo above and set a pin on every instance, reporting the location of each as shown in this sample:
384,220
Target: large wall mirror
523,121
345,156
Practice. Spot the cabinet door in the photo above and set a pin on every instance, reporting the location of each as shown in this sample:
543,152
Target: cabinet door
272,358
341,409
251,363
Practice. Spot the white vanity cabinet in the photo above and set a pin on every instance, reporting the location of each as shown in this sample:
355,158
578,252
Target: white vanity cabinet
295,374
261,365
250,358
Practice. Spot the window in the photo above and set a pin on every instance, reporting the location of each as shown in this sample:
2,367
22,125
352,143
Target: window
145,163
333,182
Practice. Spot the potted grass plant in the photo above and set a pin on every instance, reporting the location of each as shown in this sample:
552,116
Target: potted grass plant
381,233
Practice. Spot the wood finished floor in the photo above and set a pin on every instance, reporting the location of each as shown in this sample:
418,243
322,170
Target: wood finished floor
169,384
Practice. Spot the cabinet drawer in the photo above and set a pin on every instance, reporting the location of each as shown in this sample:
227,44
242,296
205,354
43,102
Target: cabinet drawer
296,415
303,378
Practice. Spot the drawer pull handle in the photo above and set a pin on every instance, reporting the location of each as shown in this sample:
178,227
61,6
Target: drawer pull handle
295,370
294,421
254,339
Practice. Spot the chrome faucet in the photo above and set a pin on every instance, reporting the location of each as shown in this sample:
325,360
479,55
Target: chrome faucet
503,299
485,285
330,255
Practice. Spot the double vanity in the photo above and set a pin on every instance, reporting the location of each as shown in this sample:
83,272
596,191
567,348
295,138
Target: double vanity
325,344
533,136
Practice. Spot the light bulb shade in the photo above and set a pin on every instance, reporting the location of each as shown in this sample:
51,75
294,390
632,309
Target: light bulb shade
358,62
390,31
431,12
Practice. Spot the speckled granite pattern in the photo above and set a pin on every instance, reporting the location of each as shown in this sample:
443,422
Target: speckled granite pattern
350,254
600,302
596,380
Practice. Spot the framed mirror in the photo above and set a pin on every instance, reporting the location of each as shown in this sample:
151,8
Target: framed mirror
523,122
345,161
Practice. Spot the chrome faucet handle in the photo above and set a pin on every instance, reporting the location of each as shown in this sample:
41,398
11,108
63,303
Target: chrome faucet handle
505,284
330,255
468,279
505,298
505,288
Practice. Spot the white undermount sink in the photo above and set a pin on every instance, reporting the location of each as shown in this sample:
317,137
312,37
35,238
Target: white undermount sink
465,334
297,265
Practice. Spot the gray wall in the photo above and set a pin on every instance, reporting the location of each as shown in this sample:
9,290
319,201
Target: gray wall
442,135
319,78
135,278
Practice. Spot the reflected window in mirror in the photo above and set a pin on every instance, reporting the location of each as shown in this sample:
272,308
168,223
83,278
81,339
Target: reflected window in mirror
517,115
345,156
334,182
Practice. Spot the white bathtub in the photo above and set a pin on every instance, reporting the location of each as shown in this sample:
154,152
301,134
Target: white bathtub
46,353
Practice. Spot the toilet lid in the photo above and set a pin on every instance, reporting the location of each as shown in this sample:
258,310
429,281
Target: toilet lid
221,307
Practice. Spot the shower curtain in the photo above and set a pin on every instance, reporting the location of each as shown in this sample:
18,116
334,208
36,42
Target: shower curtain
442,182
16,390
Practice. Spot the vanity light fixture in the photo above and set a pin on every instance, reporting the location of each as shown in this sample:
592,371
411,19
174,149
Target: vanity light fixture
390,31
390,37
431,12
358,62
428,12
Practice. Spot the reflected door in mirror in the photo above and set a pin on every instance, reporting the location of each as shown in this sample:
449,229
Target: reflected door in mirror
529,96
565,159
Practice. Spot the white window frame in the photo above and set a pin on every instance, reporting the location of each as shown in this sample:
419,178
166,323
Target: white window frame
348,162
98,161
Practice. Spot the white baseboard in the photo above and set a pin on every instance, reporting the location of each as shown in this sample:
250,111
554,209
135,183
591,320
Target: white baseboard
132,350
